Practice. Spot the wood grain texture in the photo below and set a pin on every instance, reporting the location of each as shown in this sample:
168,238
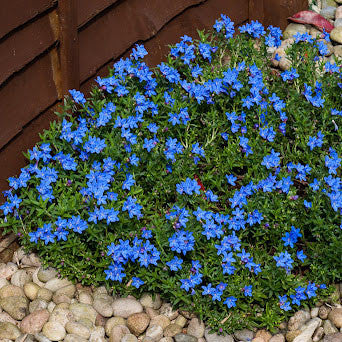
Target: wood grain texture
130,21
26,95
88,9
22,47
14,13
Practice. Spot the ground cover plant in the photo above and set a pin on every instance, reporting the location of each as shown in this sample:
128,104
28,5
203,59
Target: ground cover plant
212,179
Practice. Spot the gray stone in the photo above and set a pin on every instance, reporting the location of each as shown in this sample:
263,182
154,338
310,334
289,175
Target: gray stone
61,315
85,298
20,278
336,35
217,338
74,338
277,338
9,330
328,12
117,333
155,332
337,337
298,319
103,307
129,338
7,270
167,310
45,294
10,291
80,310
172,330
41,338
16,307
244,335
338,22
54,331
329,328
112,322
124,307
78,329
5,317
68,290
314,312
185,338
308,330
318,334
163,321
196,328
55,284
31,260
326,3
37,304
147,301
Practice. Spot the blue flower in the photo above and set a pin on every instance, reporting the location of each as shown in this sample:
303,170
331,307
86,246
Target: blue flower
230,302
175,264
301,256
137,282
77,96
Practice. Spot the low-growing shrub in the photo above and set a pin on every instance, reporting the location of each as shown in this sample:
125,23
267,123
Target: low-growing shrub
212,179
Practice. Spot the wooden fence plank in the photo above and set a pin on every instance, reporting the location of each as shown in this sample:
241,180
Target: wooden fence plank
117,30
26,95
22,47
69,57
14,13
88,9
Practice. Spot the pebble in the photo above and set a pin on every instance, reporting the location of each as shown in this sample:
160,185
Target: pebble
298,319
31,290
338,22
329,328
68,290
74,338
335,316
323,312
217,338
20,278
85,298
137,323
292,29
147,301
181,320
244,335
172,330
292,334
337,337
34,322
16,306
314,312
167,310
318,334
7,270
77,329
196,328
112,322
308,330
336,35
61,298
80,310
264,334
54,331
37,304
155,332
10,291
162,321
103,307
31,260
328,12
338,13
277,338
9,330
185,338
125,307
44,294
55,283
5,317
117,333
61,315
3,282
326,3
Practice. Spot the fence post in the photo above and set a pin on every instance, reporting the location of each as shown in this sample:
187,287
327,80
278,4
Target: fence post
256,10
69,52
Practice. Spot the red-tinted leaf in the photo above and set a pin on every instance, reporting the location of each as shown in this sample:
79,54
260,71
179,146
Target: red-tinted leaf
312,18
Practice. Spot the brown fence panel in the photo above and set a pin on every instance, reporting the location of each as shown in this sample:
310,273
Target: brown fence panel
22,47
112,34
25,96
14,13
88,9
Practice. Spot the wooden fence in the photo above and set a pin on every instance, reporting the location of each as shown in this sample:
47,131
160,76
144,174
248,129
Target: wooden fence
50,46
